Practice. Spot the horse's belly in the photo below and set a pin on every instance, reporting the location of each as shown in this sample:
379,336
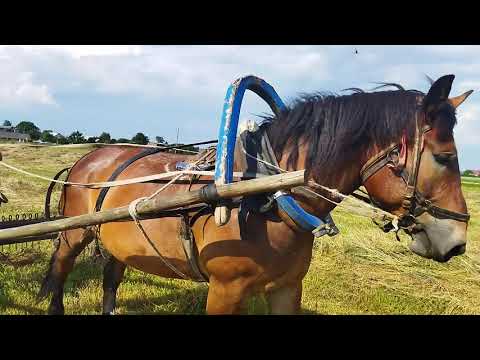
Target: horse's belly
125,241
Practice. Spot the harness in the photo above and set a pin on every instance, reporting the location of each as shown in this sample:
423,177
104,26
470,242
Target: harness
119,170
185,232
414,202
257,157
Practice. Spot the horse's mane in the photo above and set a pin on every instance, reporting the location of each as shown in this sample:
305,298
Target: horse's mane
337,127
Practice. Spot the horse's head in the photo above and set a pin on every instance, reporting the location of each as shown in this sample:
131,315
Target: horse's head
421,181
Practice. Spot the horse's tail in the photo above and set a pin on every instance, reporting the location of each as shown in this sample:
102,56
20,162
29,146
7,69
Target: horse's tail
49,195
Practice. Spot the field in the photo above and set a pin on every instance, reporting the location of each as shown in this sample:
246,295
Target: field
360,271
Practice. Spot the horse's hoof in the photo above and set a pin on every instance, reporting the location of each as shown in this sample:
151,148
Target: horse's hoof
108,313
56,311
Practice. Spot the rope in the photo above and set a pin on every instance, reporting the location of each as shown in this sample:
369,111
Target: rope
132,209
260,160
98,185
338,194
354,208
128,144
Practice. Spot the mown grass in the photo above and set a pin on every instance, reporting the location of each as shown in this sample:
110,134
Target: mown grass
361,271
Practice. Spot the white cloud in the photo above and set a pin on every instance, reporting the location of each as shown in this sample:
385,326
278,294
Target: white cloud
20,88
195,75
32,92
182,71
463,86
467,130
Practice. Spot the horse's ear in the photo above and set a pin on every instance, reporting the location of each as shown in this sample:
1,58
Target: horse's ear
458,100
438,92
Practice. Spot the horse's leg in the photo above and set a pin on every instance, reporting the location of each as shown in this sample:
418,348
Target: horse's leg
70,244
227,297
285,300
112,277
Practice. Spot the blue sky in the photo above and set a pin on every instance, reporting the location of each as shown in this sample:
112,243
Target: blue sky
155,89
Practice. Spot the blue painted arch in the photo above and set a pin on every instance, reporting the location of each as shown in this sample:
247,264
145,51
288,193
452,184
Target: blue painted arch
227,139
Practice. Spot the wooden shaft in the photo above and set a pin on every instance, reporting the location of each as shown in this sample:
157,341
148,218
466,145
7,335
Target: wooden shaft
158,203
27,239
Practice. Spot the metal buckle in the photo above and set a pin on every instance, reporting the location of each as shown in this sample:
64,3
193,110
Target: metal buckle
325,229
407,220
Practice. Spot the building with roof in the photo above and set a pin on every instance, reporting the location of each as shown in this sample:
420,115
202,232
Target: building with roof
9,133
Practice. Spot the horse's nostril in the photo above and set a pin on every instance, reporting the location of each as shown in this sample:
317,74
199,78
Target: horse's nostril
456,250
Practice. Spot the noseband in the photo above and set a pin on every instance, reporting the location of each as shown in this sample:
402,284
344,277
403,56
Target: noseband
414,202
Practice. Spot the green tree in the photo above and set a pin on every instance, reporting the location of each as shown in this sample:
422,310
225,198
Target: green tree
123,141
7,123
113,141
140,139
62,140
104,138
160,140
468,173
27,127
92,139
76,138
47,136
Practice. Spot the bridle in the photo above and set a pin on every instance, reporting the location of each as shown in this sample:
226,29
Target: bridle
414,202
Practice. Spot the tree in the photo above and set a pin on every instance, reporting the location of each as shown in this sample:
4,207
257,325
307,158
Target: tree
76,138
160,140
92,139
47,136
7,123
123,141
104,138
27,127
62,140
468,173
140,139
113,141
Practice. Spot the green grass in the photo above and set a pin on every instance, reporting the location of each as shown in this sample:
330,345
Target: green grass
361,271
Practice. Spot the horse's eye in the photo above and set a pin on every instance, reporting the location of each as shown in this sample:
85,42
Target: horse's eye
445,158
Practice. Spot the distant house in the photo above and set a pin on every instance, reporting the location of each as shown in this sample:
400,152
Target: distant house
9,133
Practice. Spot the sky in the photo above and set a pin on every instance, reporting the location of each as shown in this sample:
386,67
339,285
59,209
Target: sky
159,89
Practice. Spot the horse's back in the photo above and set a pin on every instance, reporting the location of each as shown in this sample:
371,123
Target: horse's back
95,166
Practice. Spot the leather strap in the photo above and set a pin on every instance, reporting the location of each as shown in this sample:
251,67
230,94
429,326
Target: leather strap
414,202
425,205
376,163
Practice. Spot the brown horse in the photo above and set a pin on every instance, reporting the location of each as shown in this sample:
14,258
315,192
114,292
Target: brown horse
333,138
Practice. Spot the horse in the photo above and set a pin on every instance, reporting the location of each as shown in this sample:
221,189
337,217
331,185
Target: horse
397,143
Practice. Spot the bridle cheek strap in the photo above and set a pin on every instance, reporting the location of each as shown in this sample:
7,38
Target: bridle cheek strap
402,159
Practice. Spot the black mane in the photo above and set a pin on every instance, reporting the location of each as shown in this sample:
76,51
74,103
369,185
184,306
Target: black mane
338,127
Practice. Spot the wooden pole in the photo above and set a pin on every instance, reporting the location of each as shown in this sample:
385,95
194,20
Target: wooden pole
158,203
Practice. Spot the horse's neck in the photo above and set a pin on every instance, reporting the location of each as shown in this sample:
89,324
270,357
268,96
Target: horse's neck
345,179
